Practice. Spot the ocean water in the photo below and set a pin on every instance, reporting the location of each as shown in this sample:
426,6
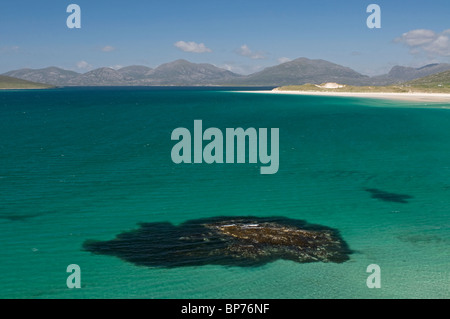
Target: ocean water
84,164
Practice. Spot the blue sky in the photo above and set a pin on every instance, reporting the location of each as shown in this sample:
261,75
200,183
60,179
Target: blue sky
243,36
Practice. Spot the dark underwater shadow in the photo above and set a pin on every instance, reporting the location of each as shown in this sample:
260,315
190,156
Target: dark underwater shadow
22,217
227,241
388,197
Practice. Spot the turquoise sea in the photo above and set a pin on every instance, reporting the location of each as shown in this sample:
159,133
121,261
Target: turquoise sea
80,164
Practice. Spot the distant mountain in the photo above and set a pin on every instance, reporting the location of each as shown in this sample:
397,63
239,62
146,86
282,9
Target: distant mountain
134,72
7,82
302,71
400,74
433,81
51,75
99,77
182,72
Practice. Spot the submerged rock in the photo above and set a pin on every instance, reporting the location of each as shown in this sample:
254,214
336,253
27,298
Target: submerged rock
237,241
255,240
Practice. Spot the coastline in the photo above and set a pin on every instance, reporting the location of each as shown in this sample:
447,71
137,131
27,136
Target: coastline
413,97
25,89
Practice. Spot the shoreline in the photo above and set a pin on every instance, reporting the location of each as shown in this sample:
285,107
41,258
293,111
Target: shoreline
412,97
22,89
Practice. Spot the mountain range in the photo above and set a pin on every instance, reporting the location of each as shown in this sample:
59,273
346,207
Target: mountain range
184,73
400,74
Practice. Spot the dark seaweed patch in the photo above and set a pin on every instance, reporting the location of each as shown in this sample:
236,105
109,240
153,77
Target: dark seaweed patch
228,241
419,239
388,197
13,217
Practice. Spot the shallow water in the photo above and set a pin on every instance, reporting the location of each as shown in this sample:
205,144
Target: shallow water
89,164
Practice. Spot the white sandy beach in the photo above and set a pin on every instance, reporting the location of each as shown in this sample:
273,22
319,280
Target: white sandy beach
416,97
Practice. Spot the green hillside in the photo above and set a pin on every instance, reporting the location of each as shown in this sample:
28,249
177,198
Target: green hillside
7,82
438,81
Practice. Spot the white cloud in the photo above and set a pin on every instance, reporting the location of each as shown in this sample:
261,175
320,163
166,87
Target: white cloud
192,47
108,48
283,60
427,41
83,65
244,50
